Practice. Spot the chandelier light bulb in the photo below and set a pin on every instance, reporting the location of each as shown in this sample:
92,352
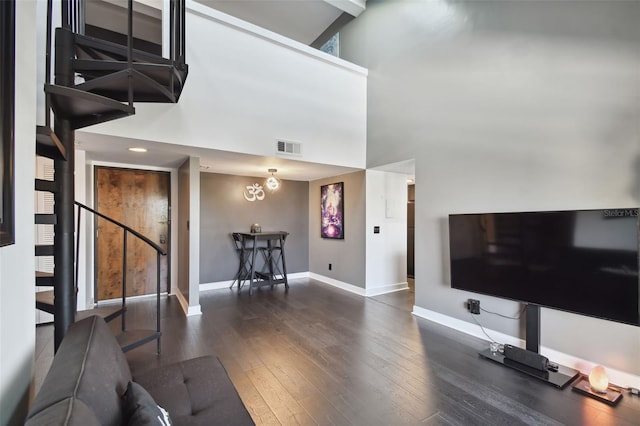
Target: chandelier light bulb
272,183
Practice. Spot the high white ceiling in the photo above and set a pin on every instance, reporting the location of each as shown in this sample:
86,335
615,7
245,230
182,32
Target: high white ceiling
301,20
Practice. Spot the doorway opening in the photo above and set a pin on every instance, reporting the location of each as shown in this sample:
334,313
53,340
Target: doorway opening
401,252
139,199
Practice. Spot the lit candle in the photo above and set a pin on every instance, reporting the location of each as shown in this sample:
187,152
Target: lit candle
598,379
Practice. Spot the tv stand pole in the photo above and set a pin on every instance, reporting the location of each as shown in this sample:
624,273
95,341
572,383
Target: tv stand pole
532,328
560,378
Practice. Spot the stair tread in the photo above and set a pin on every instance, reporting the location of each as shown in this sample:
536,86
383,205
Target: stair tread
46,219
114,65
83,108
45,296
106,312
45,185
44,301
131,339
148,86
44,278
116,86
162,73
44,249
48,144
114,50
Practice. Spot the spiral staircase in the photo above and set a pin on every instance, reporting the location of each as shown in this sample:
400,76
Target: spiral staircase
95,81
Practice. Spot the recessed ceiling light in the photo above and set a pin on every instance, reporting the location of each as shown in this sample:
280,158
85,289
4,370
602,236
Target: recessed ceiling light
137,149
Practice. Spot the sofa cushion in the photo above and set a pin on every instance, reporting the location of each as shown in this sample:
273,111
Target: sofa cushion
196,392
141,409
68,412
89,366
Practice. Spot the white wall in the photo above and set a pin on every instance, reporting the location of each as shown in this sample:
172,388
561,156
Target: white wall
17,265
506,106
386,251
247,88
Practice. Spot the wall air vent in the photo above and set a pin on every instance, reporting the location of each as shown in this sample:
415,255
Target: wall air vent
286,147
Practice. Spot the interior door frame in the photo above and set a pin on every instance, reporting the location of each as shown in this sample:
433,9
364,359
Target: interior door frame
171,217
7,120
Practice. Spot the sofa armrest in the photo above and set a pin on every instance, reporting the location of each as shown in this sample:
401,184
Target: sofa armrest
89,366
68,412
196,392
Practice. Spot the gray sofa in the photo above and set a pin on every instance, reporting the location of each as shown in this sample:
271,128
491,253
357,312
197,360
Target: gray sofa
90,374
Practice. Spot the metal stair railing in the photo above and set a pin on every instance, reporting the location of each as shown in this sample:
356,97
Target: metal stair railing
177,32
73,19
73,15
126,231
74,108
72,12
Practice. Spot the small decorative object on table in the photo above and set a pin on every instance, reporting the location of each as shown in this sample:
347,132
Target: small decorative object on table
597,386
256,228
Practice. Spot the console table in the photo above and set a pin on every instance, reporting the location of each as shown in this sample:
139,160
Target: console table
275,267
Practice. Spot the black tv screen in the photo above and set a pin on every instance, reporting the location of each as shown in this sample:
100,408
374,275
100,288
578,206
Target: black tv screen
583,261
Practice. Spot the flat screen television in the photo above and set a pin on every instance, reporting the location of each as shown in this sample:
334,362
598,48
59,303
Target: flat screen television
583,261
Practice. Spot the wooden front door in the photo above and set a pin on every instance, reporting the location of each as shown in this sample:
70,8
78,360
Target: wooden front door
140,200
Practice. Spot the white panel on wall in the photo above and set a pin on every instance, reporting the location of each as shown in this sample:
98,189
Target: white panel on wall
387,250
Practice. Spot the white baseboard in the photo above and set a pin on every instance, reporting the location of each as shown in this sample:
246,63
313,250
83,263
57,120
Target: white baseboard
368,292
617,377
377,291
333,282
188,310
340,284
297,276
217,285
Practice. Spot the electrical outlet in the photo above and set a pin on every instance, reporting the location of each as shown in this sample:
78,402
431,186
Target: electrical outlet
473,306
329,266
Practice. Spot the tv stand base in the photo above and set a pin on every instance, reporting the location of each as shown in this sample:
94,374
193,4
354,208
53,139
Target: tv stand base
559,379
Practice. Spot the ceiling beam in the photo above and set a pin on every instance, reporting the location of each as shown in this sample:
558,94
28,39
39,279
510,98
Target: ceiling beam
352,7
342,20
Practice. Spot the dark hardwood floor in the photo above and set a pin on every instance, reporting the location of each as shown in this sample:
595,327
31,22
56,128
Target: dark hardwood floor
319,355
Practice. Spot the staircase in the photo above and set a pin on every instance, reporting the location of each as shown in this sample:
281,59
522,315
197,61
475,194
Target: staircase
95,81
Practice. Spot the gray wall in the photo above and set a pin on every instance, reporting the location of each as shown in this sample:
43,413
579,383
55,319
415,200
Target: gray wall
347,256
506,106
224,209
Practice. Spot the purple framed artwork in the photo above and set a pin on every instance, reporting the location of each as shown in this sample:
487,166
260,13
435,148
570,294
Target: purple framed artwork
332,211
